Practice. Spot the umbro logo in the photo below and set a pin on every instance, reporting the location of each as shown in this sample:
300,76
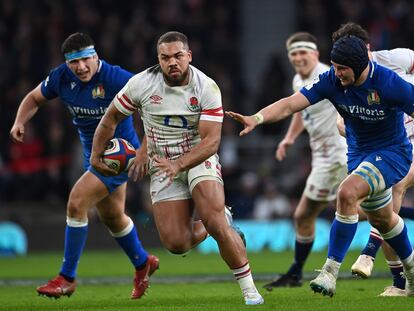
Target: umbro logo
72,85
155,99
378,158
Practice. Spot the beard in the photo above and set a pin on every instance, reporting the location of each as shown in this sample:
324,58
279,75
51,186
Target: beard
176,80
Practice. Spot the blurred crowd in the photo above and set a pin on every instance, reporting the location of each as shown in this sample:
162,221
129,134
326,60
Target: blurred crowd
44,168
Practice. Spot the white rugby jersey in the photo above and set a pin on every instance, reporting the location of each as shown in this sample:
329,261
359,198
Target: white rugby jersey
327,145
401,61
171,114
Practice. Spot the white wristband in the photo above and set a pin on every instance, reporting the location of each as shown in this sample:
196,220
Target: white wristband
259,118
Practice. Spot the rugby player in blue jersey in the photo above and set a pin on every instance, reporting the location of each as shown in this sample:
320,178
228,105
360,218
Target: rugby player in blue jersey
372,100
87,85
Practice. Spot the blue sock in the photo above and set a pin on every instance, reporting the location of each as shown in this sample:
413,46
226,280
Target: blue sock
373,244
132,246
397,270
340,238
75,238
406,212
302,251
400,242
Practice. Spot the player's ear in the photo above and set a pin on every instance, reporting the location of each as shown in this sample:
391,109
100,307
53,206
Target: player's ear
190,56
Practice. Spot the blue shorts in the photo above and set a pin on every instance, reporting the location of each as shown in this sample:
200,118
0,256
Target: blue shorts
111,182
393,162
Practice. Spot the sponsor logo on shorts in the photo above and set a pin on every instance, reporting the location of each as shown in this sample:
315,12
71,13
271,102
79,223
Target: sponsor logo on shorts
207,164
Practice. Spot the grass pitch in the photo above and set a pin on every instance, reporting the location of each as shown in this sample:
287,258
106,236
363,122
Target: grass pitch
196,282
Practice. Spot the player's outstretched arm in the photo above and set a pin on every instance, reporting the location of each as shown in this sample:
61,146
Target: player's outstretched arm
103,133
27,109
272,113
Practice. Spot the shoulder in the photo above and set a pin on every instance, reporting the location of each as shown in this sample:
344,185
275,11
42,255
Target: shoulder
114,72
202,81
57,76
61,70
321,68
145,81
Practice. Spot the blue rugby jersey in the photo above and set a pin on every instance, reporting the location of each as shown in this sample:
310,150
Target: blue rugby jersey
373,111
87,102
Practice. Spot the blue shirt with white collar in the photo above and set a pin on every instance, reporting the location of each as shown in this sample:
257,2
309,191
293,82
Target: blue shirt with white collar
87,102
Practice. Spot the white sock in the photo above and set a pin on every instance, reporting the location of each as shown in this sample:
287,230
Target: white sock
332,266
244,277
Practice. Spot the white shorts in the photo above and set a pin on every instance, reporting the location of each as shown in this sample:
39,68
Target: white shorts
183,184
322,183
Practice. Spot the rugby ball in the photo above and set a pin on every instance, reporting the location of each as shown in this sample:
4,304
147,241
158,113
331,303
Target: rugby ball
119,155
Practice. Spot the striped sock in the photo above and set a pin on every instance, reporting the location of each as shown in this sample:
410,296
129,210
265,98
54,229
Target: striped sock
373,244
244,277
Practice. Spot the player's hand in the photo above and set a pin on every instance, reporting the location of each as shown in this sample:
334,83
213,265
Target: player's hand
280,153
17,133
249,122
167,169
97,163
140,166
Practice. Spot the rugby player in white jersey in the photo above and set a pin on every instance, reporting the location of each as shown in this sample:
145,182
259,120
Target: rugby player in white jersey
401,61
328,154
182,114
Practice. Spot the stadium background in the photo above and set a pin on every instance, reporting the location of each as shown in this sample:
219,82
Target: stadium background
241,44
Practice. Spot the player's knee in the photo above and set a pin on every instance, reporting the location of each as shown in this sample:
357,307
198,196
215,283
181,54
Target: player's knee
347,196
176,247
76,207
176,241
380,223
217,231
111,216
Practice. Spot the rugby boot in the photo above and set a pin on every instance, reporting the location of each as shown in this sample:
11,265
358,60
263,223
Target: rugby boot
141,280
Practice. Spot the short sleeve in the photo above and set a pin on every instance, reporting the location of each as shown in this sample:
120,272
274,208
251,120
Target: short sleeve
211,104
402,93
123,100
321,88
50,85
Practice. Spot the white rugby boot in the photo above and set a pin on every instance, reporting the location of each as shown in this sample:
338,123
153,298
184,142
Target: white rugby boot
325,282
252,297
392,291
363,266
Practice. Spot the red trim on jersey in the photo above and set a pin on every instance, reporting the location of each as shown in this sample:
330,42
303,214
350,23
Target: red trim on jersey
124,105
218,112
127,99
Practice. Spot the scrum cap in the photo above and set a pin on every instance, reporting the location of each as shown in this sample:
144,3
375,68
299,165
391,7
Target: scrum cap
352,52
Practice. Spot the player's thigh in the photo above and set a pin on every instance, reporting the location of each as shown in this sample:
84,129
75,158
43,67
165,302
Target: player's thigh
87,192
173,218
113,205
208,196
206,186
